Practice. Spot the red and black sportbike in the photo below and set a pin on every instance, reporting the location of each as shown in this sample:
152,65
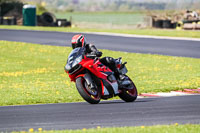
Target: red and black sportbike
95,81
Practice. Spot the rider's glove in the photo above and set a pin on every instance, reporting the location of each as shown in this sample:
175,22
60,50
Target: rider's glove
99,54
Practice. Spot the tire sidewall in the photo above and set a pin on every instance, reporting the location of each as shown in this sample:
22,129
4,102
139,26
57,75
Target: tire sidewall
129,97
84,93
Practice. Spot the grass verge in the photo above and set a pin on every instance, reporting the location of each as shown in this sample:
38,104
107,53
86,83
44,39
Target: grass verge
120,18
33,73
188,128
152,32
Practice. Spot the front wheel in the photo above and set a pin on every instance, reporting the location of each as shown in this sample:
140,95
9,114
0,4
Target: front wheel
91,96
129,94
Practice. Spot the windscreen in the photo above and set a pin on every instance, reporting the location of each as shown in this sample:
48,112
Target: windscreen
74,57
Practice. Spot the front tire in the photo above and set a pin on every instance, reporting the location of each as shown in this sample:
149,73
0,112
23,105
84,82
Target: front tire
130,94
81,86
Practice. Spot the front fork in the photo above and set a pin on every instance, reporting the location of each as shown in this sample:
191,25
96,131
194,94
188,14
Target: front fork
89,81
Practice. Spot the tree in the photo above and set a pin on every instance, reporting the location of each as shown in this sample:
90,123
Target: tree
7,5
8,1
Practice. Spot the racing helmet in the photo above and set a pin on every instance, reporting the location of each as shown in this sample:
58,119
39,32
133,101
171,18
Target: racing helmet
78,41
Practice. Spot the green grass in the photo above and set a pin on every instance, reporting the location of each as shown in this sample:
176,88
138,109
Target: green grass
188,128
104,17
33,73
152,32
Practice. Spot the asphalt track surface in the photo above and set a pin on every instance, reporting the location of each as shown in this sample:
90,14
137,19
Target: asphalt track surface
144,111
172,47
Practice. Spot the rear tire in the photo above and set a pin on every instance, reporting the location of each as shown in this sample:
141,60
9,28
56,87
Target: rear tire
81,85
129,95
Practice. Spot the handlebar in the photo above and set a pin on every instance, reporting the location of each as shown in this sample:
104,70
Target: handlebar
90,55
93,57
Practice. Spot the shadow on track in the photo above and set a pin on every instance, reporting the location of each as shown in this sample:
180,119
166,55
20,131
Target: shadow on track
120,101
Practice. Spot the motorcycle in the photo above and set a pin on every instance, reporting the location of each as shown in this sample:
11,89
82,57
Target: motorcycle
95,81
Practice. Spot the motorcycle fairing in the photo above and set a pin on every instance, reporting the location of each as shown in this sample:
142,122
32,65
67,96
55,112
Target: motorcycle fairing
115,87
97,68
74,58
112,88
74,75
108,87
102,72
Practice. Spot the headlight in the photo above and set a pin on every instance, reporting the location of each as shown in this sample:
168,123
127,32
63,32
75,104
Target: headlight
67,67
77,60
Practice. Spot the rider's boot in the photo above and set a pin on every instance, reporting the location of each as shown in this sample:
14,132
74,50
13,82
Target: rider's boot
123,81
121,78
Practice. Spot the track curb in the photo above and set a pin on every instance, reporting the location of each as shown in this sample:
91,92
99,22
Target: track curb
172,93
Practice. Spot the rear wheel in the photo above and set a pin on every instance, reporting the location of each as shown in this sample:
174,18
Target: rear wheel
129,94
91,96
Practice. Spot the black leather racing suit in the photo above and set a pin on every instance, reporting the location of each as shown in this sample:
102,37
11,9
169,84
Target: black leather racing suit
108,61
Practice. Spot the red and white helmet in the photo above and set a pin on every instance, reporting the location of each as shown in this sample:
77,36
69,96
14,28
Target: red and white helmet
78,41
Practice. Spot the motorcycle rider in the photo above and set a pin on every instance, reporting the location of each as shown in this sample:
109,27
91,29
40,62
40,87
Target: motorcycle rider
80,41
